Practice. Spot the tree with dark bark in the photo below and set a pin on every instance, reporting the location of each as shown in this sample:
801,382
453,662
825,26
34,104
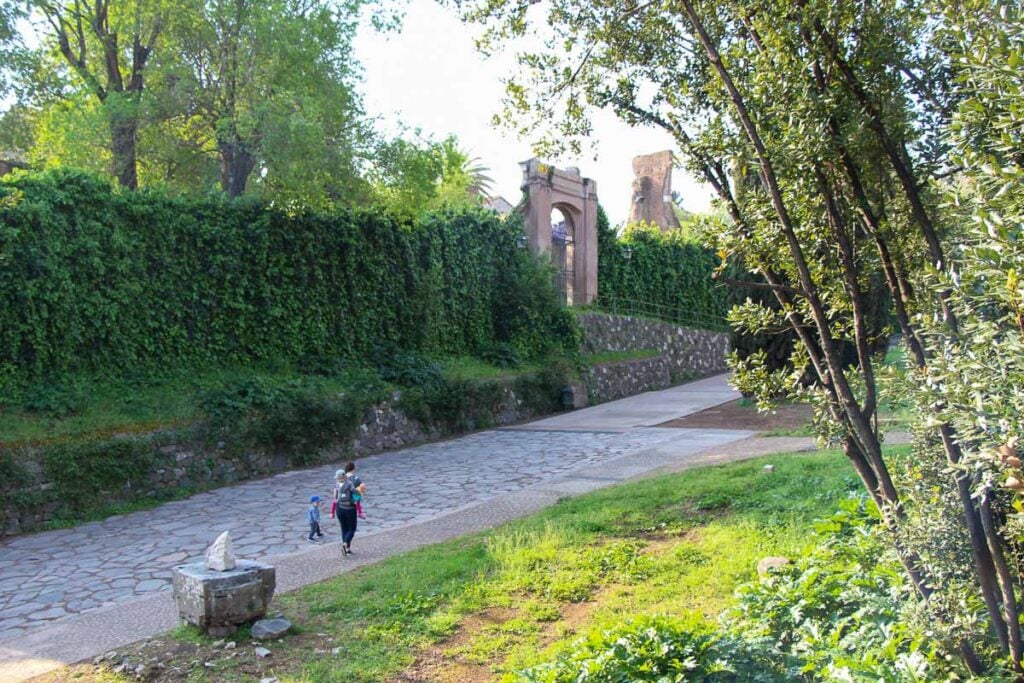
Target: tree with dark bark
272,86
108,46
839,112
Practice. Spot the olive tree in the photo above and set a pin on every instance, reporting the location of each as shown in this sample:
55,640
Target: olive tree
821,127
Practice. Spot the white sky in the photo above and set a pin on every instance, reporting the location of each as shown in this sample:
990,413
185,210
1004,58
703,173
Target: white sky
430,76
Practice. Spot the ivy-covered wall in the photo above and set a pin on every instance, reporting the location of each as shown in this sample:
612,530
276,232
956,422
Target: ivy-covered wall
97,280
663,274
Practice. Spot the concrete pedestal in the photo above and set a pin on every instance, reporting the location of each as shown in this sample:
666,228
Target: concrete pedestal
218,602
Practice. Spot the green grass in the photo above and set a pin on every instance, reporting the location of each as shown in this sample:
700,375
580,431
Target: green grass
466,368
112,406
802,430
499,601
619,356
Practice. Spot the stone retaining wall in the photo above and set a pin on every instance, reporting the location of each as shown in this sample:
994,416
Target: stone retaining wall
690,353
628,378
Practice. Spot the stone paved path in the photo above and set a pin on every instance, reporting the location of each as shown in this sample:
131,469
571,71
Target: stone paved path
51,575
55,580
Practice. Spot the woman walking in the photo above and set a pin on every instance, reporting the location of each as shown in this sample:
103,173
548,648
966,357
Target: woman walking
347,486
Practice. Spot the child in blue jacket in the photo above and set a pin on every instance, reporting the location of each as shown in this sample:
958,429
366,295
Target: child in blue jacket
314,520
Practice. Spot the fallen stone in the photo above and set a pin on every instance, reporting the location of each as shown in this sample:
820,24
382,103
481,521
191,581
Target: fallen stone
219,556
768,469
769,564
335,650
262,652
270,629
268,680
230,645
217,643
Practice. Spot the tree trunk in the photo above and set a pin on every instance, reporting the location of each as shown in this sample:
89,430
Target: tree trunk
123,134
236,164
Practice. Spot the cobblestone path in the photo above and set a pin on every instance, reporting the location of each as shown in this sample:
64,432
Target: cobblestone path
50,576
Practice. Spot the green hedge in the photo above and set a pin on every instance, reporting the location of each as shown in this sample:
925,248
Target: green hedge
97,280
667,273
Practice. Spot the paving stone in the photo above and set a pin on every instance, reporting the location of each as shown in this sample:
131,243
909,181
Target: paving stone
10,633
52,596
47,614
82,605
151,585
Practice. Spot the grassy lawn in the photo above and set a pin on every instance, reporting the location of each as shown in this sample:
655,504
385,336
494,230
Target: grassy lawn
105,407
485,606
466,368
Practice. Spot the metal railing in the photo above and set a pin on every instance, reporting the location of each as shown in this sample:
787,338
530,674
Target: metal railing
649,309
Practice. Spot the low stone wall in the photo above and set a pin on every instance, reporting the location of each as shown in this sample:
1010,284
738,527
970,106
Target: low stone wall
690,353
628,378
184,462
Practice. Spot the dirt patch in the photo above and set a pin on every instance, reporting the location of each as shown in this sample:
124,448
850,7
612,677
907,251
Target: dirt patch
739,414
440,664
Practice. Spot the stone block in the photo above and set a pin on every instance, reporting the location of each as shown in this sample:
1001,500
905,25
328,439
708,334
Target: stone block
223,600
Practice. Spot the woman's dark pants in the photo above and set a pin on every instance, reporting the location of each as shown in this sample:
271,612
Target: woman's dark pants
347,518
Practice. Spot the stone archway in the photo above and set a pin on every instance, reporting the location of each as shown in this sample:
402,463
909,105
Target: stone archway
548,188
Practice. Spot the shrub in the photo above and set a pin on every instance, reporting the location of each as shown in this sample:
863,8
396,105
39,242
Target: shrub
297,417
322,364
454,405
57,398
844,611
87,475
501,355
408,369
95,278
657,649
665,272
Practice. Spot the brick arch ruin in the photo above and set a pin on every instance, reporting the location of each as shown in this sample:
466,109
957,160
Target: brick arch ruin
547,188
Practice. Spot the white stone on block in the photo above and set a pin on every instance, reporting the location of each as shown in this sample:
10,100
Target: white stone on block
219,556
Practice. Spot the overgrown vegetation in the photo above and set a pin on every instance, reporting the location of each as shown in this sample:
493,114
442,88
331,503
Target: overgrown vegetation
245,282
645,271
